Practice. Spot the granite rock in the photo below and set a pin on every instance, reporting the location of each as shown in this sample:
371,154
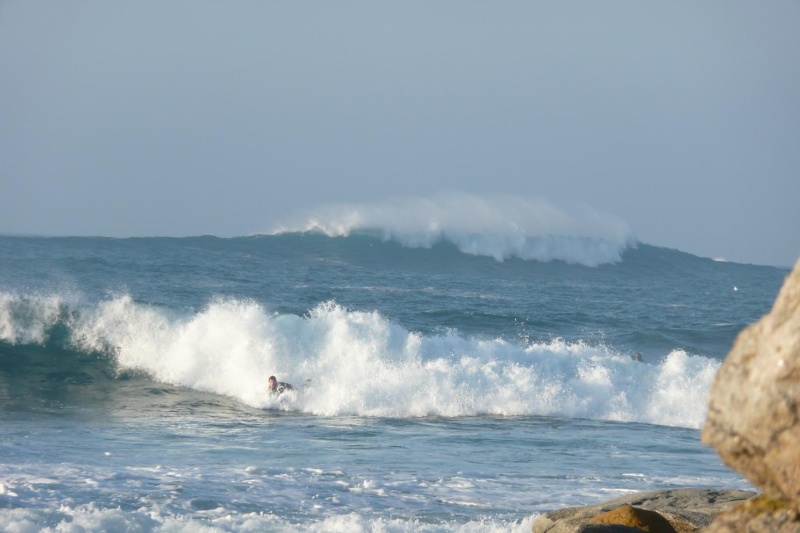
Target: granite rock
685,509
754,403
758,516
635,517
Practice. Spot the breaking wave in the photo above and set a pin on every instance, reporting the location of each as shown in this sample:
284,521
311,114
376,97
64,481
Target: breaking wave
500,227
354,363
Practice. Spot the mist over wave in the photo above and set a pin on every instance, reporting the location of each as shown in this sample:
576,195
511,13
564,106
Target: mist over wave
345,362
498,226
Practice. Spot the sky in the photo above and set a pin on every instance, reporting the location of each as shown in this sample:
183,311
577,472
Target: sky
177,118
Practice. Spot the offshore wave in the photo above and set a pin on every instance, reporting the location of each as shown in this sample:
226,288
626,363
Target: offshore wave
352,363
500,227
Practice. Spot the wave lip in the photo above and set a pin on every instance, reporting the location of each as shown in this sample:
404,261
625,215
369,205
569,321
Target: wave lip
500,227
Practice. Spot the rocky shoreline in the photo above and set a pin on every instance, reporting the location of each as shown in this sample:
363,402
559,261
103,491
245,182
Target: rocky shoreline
671,510
754,424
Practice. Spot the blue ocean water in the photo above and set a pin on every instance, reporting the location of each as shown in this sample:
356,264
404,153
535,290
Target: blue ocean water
445,385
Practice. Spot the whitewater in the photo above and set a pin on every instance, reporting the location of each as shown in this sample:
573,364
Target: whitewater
446,378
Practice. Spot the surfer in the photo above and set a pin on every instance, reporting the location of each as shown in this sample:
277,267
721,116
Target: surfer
278,387
637,357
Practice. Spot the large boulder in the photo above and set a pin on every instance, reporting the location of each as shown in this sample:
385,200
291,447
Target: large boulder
634,517
684,509
754,401
758,515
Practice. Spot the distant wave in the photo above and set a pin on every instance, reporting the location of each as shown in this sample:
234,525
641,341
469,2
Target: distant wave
358,363
500,227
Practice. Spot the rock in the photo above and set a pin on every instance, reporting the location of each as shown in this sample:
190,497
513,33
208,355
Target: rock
608,528
757,516
685,510
754,403
634,517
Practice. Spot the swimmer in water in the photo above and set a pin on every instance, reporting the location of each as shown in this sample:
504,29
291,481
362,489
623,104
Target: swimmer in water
278,387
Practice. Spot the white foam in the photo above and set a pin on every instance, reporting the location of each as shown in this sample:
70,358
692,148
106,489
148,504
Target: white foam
26,319
92,518
358,363
495,226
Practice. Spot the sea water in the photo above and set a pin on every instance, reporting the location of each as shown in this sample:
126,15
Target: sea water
454,384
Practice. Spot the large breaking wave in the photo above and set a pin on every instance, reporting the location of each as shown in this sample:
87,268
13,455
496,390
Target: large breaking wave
359,363
500,227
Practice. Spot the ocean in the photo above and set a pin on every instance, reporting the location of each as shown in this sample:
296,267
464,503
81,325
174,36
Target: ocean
439,386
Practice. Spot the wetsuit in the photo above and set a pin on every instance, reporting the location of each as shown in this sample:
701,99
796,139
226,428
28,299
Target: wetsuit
280,388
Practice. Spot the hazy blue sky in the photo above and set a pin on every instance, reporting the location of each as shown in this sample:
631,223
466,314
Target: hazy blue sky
192,117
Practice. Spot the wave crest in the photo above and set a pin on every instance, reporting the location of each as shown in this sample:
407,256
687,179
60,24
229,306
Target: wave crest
500,227
355,363
26,319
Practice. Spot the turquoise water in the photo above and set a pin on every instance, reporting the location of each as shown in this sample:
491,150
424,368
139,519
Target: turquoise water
436,390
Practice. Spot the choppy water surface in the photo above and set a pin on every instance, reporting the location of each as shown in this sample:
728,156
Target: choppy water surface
436,390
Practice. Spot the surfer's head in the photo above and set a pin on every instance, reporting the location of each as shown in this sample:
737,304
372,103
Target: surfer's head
273,383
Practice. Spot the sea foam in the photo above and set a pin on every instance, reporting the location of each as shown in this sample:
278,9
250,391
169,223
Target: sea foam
26,319
497,226
345,362
92,518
